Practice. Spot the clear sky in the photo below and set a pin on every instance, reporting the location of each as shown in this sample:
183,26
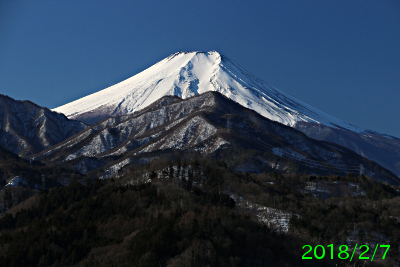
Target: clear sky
342,57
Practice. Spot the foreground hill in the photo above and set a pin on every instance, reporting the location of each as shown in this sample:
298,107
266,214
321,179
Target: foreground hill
199,213
20,178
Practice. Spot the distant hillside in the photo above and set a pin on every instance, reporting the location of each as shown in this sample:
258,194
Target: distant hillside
26,128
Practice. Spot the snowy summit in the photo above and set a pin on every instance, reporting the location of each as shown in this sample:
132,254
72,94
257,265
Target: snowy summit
186,74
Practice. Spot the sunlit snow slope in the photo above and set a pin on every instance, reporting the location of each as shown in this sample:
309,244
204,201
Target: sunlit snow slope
185,74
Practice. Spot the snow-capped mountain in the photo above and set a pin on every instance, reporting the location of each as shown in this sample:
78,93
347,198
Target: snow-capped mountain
208,124
186,74
26,128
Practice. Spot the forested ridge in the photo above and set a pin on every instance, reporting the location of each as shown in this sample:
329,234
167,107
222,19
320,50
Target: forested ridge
188,213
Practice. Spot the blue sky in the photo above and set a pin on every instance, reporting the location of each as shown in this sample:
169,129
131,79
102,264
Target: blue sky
342,57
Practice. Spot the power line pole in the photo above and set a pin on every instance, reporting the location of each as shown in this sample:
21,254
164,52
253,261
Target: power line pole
361,169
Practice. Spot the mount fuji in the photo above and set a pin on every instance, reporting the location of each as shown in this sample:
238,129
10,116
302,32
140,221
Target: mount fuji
185,74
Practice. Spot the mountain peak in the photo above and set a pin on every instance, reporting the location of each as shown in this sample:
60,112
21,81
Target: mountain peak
194,53
186,74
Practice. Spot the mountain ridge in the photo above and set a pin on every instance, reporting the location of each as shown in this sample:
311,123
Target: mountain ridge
189,73
27,128
208,124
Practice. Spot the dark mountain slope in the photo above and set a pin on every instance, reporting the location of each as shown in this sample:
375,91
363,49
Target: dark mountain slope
385,150
20,178
26,128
